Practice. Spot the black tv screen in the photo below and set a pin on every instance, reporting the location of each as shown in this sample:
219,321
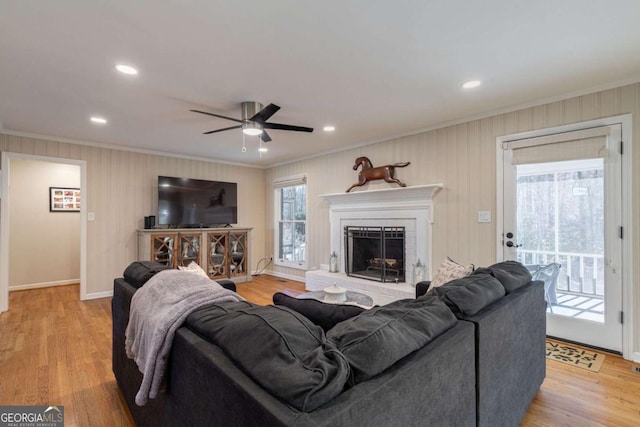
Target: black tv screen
196,203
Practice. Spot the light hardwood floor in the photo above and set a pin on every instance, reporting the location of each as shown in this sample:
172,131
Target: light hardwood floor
55,349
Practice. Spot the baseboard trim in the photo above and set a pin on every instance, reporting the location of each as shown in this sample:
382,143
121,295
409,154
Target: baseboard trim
44,285
284,276
105,294
636,357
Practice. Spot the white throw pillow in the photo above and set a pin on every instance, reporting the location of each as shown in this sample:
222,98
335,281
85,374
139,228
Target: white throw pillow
195,269
449,270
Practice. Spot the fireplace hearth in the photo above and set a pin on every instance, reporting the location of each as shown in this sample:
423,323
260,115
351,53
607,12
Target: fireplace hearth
375,253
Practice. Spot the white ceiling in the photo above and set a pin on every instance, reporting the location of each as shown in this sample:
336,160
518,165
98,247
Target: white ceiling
374,69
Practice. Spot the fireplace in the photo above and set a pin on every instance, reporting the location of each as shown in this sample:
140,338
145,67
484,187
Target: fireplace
375,253
410,208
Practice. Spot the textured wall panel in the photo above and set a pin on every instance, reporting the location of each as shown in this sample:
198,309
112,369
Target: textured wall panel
122,190
463,158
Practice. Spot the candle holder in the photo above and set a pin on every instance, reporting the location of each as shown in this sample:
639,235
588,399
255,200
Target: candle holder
333,263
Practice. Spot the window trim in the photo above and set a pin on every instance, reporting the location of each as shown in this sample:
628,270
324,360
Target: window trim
277,185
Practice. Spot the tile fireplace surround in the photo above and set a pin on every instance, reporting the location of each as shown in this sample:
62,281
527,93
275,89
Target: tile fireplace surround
409,207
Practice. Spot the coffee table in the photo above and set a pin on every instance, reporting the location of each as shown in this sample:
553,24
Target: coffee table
353,298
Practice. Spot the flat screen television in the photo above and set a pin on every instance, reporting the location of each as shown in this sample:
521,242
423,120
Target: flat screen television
185,202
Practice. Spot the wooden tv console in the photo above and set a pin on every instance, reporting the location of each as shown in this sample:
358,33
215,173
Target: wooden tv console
222,252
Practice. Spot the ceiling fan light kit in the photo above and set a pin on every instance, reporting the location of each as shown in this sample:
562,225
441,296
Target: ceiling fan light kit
251,128
254,121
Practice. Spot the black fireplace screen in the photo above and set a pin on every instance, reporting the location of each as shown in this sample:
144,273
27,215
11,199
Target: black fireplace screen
375,253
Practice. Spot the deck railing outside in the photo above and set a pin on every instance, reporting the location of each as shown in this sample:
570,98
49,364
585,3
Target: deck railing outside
580,273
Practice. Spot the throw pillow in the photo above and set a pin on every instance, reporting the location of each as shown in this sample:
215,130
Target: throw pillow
449,270
281,350
378,338
194,268
322,314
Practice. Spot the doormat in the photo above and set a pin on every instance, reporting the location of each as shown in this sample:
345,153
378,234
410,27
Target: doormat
575,356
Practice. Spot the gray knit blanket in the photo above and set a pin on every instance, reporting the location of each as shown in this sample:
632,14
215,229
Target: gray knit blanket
158,309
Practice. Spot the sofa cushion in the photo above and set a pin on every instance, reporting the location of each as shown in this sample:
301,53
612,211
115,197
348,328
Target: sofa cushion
322,314
449,270
467,296
139,272
281,350
376,339
511,274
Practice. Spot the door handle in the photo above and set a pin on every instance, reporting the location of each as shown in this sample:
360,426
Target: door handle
510,244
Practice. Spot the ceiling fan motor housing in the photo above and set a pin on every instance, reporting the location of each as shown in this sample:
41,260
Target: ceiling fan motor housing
250,109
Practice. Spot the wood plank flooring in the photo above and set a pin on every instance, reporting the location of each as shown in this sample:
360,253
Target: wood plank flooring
55,349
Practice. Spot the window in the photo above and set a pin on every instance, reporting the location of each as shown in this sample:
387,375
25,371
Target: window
291,221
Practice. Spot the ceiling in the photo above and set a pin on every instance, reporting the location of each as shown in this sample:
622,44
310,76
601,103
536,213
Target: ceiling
373,69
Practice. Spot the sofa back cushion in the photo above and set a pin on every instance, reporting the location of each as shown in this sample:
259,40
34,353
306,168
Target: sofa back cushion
322,314
279,349
511,274
467,296
139,272
376,339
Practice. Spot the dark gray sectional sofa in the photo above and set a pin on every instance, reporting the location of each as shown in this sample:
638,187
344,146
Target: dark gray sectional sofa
462,356
510,345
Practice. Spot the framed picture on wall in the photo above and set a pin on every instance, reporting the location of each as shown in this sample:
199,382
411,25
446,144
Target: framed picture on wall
63,199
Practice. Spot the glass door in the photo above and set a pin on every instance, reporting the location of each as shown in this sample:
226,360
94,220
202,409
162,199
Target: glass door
562,220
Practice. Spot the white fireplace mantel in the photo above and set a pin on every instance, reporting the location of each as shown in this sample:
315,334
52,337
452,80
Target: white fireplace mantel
419,196
410,207
385,205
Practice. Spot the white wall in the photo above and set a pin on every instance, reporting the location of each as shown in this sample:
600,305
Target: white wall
463,158
44,247
122,189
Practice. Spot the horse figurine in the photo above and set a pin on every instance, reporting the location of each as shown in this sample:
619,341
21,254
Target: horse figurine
369,173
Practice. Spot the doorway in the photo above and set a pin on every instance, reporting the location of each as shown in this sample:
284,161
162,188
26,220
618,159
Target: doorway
12,248
563,216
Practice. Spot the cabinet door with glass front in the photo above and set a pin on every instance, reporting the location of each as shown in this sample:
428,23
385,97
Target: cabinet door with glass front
163,249
218,262
237,253
188,249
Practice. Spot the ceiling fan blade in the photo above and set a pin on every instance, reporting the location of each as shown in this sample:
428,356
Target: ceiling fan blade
216,115
286,127
264,136
223,129
264,114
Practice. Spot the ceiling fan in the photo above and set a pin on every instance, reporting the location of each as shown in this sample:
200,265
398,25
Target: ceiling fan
254,120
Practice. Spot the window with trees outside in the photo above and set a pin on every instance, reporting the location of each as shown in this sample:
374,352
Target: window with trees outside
291,222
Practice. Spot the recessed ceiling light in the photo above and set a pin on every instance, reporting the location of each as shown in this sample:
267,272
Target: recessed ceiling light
99,120
329,128
263,149
471,84
126,69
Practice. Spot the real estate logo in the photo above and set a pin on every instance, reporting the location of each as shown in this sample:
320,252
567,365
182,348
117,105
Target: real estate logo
31,416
